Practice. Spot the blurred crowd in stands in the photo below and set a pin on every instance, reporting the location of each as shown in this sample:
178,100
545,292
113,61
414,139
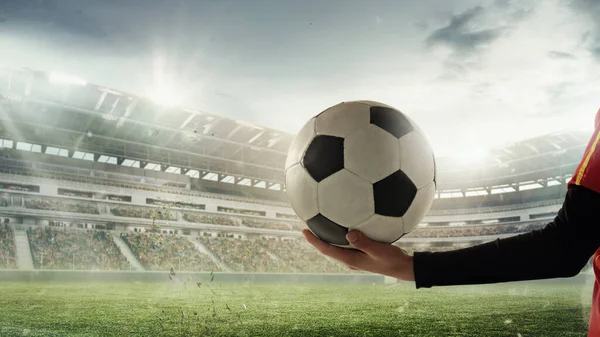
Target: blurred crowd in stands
411,249
241,255
266,224
270,255
74,194
53,248
286,216
474,209
163,252
143,212
164,213
240,211
299,257
7,248
62,205
475,230
69,248
208,219
17,187
175,204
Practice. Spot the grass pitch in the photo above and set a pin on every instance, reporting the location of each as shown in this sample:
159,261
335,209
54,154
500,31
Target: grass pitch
194,309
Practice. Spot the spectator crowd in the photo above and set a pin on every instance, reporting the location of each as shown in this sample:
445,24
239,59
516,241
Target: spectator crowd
266,224
70,248
53,248
62,205
460,231
298,257
7,248
163,252
208,219
143,212
241,255
240,211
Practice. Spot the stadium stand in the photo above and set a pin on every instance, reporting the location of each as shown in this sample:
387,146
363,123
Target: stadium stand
298,257
495,209
7,248
266,224
235,162
208,219
60,205
241,255
411,250
163,252
74,249
462,231
143,212
270,255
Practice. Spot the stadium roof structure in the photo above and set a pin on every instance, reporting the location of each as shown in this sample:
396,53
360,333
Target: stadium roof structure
67,113
62,113
545,161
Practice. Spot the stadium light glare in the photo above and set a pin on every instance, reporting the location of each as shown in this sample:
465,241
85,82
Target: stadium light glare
164,95
65,79
472,156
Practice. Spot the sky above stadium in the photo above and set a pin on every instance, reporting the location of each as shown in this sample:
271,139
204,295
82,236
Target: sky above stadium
473,74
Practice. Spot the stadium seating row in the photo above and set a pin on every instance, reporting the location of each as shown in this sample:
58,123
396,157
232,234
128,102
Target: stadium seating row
62,205
143,212
53,248
266,224
67,248
78,249
164,213
494,209
461,231
163,252
194,217
209,219
7,248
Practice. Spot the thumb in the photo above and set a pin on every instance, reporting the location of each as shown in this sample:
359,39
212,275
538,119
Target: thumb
358,240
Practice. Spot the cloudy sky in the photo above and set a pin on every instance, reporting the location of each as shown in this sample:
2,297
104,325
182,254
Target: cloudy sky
473,74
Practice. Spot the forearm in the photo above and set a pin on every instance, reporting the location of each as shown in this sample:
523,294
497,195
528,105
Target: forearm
560,249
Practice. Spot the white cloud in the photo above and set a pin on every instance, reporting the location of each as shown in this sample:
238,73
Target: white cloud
532,76
513,91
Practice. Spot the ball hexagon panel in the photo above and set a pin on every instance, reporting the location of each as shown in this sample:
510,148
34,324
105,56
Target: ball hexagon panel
300,144
324,157
372,153
419,208
345,198
328,230
394,194
382,228
302,192
391,120
342,119
416,159
427,143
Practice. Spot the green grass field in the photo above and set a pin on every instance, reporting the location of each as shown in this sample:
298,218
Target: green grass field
74,309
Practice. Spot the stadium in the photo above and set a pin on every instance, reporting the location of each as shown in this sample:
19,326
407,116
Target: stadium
132,218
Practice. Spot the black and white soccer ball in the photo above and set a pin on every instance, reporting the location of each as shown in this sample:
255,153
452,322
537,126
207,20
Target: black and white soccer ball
360,165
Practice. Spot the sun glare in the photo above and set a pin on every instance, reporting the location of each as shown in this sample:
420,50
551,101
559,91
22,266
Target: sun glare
165,95
62,79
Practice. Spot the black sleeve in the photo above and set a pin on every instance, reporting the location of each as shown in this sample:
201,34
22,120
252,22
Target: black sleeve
561,249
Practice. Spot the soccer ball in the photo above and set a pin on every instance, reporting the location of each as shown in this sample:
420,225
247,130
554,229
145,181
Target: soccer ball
360,165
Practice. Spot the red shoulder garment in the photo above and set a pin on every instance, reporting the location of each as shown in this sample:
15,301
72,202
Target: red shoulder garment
588,175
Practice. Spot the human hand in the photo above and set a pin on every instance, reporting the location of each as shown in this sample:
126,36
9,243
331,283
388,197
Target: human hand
369,255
